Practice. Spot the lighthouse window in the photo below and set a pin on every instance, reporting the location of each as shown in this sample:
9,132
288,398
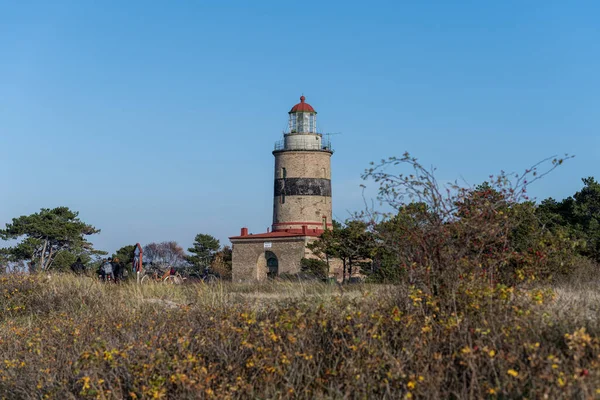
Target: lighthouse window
283,173
293,124
300,123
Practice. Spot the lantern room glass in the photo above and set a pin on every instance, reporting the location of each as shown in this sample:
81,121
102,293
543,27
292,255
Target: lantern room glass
293,123
303,123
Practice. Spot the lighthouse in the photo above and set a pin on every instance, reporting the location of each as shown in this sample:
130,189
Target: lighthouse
302,195
302,208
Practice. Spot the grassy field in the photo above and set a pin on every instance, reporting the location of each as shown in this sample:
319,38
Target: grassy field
67,337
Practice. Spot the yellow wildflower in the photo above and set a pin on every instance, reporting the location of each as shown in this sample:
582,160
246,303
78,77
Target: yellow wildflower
86,382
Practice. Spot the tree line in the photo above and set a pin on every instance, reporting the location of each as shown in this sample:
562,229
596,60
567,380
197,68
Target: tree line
54,239
435,235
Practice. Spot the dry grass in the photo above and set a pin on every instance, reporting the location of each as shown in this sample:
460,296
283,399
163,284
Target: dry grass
73,337
580,303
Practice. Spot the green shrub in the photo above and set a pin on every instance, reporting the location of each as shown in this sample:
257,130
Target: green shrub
313,266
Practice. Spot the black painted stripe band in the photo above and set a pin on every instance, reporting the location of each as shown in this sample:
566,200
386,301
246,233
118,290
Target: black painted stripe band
303,187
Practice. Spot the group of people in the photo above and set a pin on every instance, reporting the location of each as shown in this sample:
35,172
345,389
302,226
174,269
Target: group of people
111,269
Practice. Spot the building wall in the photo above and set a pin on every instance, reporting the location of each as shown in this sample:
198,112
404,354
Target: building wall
302,209
249,263
311,172
300,164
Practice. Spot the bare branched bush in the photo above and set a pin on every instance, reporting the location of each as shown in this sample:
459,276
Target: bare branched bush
439,235
164,254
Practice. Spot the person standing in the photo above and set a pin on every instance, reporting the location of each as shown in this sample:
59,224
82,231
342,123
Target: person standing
77,267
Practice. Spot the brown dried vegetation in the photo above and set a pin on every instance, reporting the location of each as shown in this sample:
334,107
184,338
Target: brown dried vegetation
71,337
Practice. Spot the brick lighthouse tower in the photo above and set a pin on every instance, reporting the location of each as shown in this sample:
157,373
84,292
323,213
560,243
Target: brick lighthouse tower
301,202
302,175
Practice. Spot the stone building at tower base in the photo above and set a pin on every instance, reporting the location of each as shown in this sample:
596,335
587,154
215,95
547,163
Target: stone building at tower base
260,256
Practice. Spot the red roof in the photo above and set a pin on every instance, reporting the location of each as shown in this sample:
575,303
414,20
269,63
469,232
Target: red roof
302,106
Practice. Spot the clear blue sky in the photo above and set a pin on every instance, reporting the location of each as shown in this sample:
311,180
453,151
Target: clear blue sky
156,120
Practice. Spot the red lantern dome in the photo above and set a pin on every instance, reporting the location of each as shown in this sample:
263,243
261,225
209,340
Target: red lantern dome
302,106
